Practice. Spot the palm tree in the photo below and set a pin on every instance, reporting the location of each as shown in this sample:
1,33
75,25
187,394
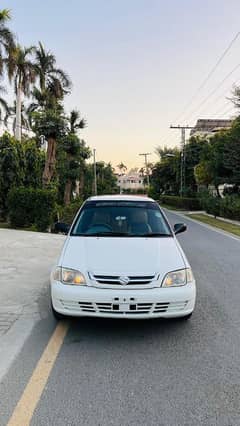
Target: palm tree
6,37
24,73
53,81
3,104
11,112
122,167
76,122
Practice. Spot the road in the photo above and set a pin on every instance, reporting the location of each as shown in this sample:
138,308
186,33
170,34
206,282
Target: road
144,372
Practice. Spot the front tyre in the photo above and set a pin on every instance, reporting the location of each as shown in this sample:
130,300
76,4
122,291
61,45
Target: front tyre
57,315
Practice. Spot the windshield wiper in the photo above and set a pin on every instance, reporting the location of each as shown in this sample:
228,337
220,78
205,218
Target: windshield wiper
107,234
155,234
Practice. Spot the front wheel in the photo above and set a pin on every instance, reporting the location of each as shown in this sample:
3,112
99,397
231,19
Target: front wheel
57,315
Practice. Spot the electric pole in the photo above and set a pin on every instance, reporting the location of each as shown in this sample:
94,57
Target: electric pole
145,154
183,155
95,171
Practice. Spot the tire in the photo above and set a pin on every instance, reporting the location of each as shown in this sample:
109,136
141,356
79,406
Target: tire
185,318
57,315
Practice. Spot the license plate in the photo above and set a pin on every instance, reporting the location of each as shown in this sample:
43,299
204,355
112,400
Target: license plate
124,307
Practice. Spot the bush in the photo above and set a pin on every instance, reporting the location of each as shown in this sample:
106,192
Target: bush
211,204
31,207
67,213
180,202
230,207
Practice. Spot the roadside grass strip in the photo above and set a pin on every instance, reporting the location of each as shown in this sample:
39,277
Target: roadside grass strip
25,407
217,223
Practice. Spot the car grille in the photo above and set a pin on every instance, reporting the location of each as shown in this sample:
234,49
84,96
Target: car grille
116,280
121,309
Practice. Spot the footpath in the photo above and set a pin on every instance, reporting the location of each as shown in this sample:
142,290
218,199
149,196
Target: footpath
25,264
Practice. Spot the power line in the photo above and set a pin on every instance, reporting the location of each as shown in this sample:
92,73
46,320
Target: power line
208,76
213,91
226,111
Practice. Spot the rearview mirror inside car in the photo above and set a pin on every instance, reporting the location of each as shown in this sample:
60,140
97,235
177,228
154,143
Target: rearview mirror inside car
179,227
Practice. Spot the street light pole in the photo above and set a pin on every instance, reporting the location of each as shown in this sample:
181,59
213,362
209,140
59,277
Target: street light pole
95,171
145,155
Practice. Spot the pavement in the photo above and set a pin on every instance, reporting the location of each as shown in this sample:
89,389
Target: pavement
25,263
117,372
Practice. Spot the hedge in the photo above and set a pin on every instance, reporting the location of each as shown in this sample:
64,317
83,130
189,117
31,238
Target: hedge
67,213
227,207
29,206
180,202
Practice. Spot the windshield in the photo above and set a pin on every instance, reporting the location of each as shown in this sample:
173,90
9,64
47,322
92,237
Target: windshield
122,219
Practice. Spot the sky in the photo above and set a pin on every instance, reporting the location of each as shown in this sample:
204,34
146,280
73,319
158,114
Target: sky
136,64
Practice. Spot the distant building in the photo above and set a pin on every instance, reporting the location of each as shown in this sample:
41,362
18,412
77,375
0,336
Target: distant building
205,127
132,181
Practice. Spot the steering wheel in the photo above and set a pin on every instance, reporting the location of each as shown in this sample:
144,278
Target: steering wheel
99,225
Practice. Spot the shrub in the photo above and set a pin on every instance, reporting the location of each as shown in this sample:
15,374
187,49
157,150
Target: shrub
67,213
31,207
211,204
180,202
230,207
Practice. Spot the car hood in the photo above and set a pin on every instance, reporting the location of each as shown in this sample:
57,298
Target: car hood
110,255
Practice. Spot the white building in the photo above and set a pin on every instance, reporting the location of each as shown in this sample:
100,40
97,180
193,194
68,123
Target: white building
132,181
207,127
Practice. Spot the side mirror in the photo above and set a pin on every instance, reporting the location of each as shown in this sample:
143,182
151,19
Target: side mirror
179,227
61,228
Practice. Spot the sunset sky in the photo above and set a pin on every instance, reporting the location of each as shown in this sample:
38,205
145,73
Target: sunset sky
135,64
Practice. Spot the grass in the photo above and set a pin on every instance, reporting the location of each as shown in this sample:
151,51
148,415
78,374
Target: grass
217,223
166,206
5,225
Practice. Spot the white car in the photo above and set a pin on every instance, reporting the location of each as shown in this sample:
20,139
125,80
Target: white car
121,259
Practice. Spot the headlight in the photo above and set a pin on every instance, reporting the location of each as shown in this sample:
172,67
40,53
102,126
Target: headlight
177,278
68,276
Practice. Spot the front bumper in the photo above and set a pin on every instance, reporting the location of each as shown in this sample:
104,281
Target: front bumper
113,303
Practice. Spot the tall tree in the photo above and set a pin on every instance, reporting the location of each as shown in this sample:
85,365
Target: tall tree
47,70
11,112
76,122
6,37
23,71
54,83
3,104
76,152
53,125
121,166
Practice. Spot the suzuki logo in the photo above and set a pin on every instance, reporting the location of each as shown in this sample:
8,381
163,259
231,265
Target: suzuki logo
124,280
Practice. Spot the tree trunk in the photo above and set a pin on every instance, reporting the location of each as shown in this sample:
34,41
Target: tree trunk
81,182
68,192
50,162
18,128
217,190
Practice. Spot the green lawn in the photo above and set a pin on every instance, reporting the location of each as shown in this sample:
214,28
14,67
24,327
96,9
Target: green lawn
225,226
166,206
4,225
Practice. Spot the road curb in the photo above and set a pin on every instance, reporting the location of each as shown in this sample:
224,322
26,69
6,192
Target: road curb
13,341
212,228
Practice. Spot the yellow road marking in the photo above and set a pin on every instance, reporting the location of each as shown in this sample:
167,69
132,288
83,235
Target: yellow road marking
25,407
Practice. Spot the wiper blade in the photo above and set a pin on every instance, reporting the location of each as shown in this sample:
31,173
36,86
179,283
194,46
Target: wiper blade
155,234
108,234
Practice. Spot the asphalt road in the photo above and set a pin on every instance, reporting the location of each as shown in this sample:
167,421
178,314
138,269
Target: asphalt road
146,372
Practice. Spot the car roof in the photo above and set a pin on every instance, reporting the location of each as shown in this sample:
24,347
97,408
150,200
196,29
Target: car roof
119,197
